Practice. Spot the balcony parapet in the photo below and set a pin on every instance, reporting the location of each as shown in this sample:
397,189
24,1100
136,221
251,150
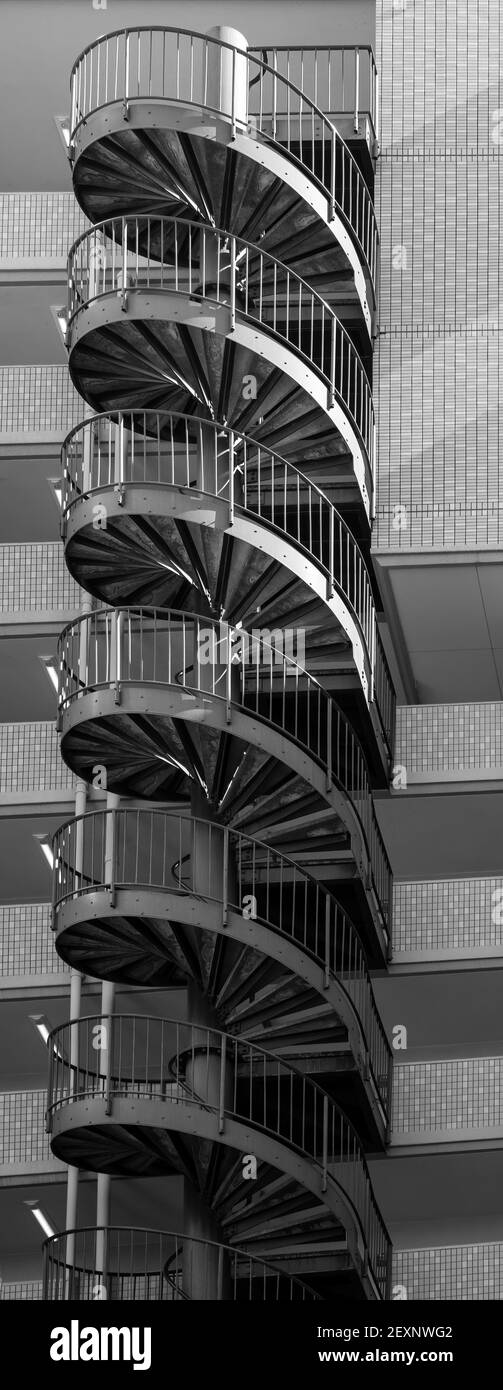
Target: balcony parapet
38,406
36,230
455,1102
472,1271
29,1289
35,586
31,769
448,743
448,920
27,952
25,1145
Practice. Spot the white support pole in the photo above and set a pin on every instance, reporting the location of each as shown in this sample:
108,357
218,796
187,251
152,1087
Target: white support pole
121,438
209,1070
227,86
103,1180
102,1222
72,1186
107,1010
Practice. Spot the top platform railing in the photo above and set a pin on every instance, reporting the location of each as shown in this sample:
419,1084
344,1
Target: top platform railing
181,66
341,79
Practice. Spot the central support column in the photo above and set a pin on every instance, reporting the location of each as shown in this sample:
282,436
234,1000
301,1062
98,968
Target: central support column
227,86
103,1187
72,1188
204,1268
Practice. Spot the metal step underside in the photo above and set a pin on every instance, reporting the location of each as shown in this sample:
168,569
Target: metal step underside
156,562
161,365
175,173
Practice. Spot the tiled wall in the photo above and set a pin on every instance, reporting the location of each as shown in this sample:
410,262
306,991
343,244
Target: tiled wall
22,1126
34,578
30,759
447,1095
38,400
439,194
450,1271
29,1289
26,941
448,915
39,225
450,739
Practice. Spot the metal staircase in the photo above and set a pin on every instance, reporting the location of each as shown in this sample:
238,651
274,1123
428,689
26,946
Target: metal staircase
219,503
144,1265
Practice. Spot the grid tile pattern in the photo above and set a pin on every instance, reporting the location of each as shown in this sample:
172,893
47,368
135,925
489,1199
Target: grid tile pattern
39,225
38,400
30,759
26,941
448,915
24,1289
448,1095
439,196
450,738
22,1126
439,422
451,1271
34,578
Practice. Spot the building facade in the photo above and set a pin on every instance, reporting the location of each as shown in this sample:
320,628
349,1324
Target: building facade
262,395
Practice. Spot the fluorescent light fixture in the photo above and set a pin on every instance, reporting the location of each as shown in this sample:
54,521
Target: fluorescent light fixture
44,1029
56,487
45,845
50,665
40,1216
42,1025
63,129
59,314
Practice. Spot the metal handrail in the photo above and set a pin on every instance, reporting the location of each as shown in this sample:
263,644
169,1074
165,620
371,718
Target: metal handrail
322,72
174,65
190,258
288,900
151,646
179,451
225,1076
146,1264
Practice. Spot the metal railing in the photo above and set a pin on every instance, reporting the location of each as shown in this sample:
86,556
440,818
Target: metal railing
126,1263
174,254
181,66
171,648
165,1061
339,78
133,848
178,451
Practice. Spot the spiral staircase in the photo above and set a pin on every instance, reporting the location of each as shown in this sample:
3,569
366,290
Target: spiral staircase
229,684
